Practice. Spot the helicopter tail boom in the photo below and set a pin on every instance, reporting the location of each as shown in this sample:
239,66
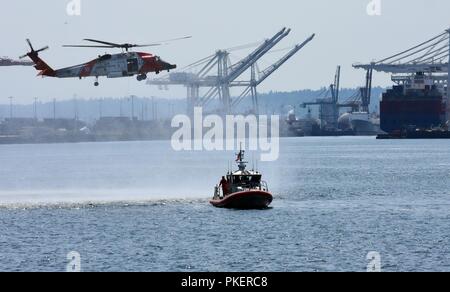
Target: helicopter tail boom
40,65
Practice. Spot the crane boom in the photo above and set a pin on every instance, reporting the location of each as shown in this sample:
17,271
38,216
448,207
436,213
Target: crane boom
429,57
243,65
270,70
251,86
406,68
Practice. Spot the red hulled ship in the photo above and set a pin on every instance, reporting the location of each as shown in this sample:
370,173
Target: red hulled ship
243,189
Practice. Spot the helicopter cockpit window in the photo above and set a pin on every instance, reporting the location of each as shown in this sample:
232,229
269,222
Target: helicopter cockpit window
133,65
105,57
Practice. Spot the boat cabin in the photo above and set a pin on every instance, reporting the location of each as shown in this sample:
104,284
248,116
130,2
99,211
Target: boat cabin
246,180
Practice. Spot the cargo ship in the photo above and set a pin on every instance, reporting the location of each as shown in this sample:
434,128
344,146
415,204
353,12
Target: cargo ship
417,104
361,123
302,127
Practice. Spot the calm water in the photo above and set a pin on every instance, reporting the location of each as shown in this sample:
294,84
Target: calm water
142,207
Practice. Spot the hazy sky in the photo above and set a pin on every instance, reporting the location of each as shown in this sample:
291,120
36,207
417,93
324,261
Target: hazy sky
345,34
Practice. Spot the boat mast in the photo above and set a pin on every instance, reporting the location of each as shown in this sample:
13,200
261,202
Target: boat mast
240,160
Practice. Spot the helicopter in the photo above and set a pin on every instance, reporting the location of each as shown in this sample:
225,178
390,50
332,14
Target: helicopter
125,64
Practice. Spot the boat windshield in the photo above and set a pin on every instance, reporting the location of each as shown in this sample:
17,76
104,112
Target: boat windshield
246,180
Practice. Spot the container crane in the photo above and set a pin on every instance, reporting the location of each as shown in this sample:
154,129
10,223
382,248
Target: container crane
254,83
226,76
430,57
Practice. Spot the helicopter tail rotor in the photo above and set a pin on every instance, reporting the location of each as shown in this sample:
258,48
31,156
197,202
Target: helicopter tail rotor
39,64
33,52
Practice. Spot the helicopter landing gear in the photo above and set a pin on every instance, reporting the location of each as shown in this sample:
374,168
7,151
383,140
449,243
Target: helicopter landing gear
141,77
96,84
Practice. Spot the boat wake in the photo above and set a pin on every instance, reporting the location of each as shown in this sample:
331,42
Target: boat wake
91,199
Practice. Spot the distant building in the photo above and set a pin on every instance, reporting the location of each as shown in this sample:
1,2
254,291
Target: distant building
67,124
29,130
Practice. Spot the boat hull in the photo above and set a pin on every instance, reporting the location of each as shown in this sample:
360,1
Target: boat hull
246,200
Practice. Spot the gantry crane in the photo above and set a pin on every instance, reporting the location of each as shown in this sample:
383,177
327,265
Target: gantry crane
226,76
430,57
262,76
329,107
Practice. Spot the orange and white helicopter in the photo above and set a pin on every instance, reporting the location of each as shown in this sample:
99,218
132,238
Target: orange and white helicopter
125,64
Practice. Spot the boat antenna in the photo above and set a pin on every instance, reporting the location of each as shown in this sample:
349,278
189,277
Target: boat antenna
253,161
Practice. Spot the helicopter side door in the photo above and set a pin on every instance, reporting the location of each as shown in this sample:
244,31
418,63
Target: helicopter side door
102,65
132,65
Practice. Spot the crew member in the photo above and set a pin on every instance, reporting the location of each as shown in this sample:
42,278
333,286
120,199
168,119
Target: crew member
224,185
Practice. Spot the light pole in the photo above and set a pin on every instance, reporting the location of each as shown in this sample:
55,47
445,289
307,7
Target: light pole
75,109
54,109
146,109
35,108
120,107
132,107
100,102
153,109
11,107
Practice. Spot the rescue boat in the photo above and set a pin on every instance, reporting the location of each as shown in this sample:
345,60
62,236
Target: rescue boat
243,189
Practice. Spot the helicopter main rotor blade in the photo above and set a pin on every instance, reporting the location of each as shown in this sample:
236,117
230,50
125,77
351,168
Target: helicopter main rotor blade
125,46
103,42
162,43
176,39
148,45
82,46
